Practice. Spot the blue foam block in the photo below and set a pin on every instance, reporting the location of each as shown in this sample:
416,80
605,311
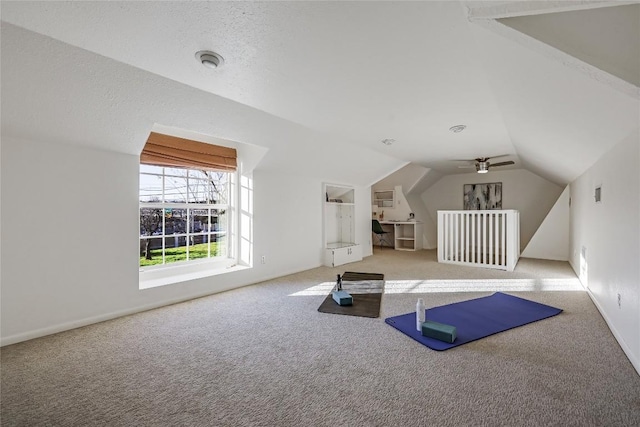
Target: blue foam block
439,331
342,298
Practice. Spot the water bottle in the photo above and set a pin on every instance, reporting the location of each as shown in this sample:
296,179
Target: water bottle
420,314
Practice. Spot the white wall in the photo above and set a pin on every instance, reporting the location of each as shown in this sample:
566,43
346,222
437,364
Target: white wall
429,237
610,232
288,223
70,219
406,177
522,190
551,241
363,219
70,237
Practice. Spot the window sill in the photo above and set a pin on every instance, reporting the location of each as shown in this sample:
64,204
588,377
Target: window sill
167,276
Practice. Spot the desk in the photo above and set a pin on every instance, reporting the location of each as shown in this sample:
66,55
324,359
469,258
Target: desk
407,235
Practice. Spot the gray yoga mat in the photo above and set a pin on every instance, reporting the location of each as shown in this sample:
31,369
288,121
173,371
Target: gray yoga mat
366,290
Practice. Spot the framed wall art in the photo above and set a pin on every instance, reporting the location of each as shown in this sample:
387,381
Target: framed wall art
482,196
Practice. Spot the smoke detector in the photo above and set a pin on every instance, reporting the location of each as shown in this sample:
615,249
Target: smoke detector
209,59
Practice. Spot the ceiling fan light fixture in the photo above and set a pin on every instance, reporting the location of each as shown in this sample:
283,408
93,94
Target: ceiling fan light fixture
482,167
210,59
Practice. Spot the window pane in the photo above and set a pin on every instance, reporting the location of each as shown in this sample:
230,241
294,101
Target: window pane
218,245
175,189
198,220
201,191
199,247
150,251
175,249
198,174
150,222
220,182
179,172
151,169
218,219
175,221
217,184
150,188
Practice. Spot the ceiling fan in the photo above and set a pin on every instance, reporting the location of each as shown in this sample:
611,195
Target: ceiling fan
482,164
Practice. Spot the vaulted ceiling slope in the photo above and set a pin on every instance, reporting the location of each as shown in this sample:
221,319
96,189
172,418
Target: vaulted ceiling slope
330,80
85,99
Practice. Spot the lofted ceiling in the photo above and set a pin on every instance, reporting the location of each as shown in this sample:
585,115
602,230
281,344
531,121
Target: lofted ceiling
551,85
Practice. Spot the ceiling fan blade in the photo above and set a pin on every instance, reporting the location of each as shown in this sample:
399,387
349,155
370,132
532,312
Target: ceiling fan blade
510,162
466,166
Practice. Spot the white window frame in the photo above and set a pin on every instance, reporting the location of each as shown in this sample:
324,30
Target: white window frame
163,274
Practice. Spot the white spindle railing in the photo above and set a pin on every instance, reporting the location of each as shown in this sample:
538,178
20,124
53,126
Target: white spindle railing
489,238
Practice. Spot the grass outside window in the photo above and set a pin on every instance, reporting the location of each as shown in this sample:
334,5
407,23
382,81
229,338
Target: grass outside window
179,253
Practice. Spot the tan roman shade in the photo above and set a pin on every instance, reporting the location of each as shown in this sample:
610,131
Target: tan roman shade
171,151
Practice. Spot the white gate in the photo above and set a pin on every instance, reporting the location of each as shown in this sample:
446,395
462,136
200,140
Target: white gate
488,238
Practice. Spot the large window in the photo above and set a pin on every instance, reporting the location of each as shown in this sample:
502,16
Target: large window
184,215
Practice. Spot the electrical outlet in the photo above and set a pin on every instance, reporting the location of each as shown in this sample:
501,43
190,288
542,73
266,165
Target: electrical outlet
263,259
619,301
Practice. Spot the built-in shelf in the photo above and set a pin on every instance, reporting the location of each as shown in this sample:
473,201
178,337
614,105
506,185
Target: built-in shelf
341,204
407,235
339,225
384,199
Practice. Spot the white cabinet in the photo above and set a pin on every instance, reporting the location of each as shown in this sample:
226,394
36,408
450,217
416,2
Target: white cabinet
342,255
339,226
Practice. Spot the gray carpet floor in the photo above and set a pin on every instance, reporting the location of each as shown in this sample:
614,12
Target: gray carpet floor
212,362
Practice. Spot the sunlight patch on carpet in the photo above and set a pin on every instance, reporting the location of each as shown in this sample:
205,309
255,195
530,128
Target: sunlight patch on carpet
476,285
481,285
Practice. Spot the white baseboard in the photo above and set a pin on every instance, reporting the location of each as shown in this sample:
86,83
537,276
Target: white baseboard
625,348
61,327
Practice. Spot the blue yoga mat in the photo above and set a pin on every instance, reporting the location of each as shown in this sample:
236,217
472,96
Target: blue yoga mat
476,318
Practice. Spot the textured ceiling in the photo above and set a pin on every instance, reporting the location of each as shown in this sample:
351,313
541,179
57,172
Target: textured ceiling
329,80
